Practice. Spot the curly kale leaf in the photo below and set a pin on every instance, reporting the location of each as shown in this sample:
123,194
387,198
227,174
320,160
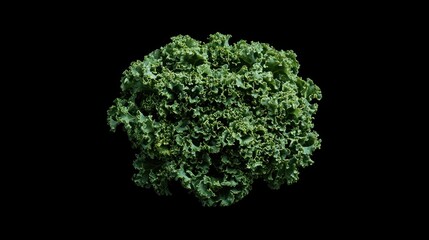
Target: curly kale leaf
216,117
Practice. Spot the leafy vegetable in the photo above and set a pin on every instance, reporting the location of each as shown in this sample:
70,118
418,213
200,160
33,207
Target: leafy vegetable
216,117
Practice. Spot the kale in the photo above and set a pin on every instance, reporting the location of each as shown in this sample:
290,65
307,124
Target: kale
216,117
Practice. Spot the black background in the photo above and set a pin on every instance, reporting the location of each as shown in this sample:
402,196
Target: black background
105,168
88,170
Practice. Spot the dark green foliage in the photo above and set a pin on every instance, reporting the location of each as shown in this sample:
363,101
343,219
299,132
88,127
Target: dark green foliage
216,117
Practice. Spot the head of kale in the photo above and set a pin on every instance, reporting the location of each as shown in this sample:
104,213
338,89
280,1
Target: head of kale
216,117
